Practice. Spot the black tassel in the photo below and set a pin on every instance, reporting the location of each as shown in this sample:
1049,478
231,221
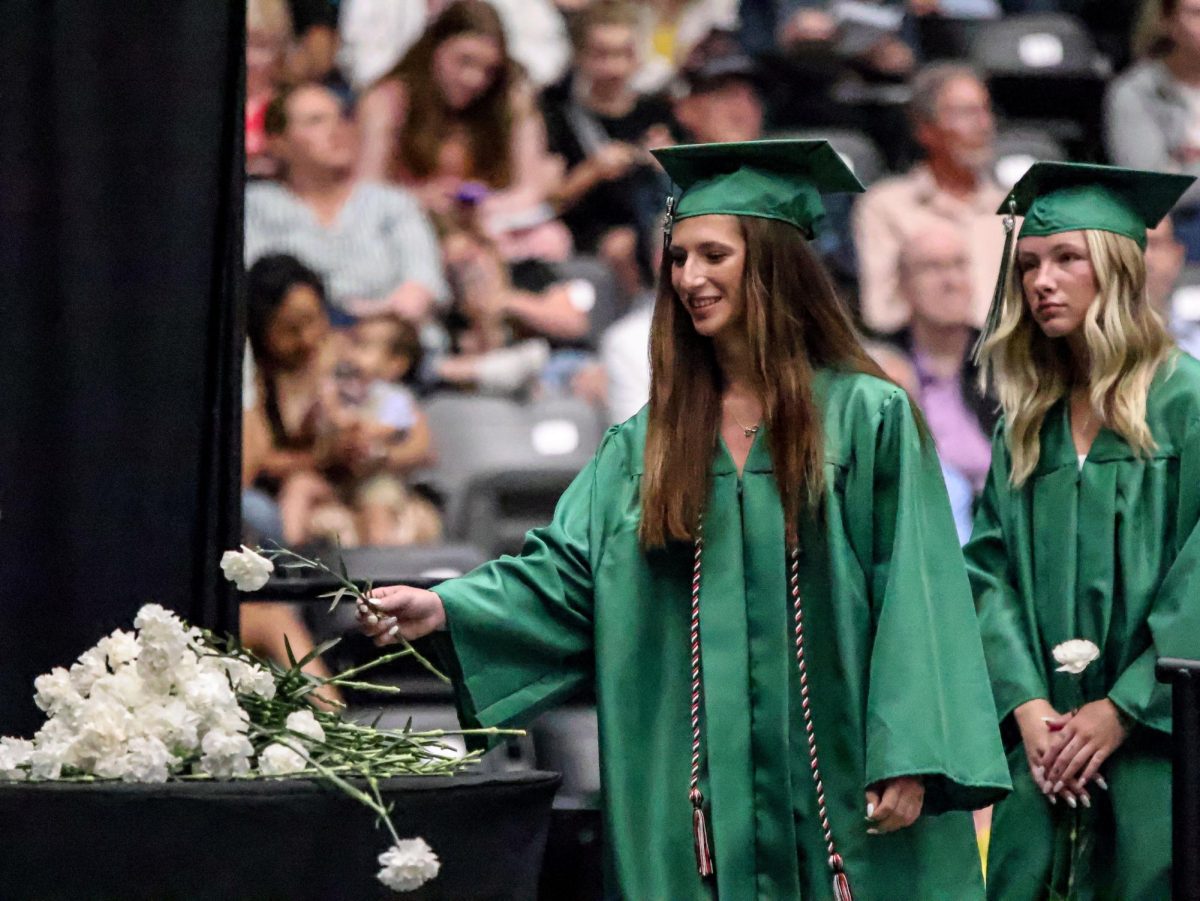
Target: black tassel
996,310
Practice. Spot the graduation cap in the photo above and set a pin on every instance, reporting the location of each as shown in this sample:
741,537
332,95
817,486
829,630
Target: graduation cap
781,179
1060,197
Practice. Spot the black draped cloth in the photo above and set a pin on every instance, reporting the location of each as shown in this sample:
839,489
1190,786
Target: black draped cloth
291,840
120,252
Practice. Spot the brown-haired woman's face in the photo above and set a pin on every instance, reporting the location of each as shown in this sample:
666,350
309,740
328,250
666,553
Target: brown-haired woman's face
708,257
464,67
1058,280
297,329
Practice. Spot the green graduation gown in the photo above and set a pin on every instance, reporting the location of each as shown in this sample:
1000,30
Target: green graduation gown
1109,552
895,661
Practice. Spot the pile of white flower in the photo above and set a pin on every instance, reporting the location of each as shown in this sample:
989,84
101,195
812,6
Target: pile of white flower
170,701
142,707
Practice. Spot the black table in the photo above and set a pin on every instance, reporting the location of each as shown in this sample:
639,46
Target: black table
252,840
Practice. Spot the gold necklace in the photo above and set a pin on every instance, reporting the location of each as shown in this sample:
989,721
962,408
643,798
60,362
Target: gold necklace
749,430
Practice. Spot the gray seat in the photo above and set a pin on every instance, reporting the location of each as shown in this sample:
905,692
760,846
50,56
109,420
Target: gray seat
855,147
1036,46
1019,147
502,465
502,502
608,306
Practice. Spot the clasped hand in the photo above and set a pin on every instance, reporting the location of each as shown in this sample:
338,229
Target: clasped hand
1065,751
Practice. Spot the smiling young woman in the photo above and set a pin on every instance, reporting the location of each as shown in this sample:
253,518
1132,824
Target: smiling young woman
759,565
1087,529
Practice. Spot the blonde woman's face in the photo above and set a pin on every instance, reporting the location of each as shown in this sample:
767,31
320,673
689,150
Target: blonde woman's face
1058,281
708,256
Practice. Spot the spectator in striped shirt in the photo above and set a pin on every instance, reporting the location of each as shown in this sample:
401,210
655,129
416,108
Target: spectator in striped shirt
370,242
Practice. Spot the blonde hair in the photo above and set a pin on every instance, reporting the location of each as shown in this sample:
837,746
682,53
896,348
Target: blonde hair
1126,342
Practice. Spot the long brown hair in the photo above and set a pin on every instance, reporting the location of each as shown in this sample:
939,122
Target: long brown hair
795,322
488,120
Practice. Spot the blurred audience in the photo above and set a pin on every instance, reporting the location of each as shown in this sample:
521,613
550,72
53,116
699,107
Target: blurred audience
603,130
1152,112
268,38
625,355
934,270
1178,305
326,441
952,120
371,242
455,114
506,335
669,29
719,95
375,35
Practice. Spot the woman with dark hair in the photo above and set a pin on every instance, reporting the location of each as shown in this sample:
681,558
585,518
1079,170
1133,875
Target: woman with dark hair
456,110
758,575
1086,544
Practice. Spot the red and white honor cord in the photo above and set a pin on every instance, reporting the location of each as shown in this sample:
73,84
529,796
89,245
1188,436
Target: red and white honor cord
704,855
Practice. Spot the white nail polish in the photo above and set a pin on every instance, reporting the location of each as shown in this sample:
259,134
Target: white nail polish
1087,802
394,631
1071,801
1100,782
1057,787
372,619
870,810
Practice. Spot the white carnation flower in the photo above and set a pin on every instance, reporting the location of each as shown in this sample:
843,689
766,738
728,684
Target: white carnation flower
102,726
125,687
86,670
226,754
207,689
119,648
14,755
304,723
148,760
261,683
280,760
408,865
246,569
55,692
174,723
51,745
250,679
1075,655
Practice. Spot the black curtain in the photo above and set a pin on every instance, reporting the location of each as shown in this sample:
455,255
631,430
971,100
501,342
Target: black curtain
120,338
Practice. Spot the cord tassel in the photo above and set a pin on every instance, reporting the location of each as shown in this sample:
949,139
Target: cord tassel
704,860
996,310
841,882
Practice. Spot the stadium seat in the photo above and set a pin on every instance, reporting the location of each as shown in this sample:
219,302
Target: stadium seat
855,148
1019,147
1045,67
502,465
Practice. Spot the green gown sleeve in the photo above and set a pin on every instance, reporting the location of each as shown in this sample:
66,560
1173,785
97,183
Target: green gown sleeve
1005,622
929,707
1174,620
520,628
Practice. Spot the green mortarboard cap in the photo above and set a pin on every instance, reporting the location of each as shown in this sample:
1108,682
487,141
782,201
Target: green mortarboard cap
1062,197
781,179
1059,197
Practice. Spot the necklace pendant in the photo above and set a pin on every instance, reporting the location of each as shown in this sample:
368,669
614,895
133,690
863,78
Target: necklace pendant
751,431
